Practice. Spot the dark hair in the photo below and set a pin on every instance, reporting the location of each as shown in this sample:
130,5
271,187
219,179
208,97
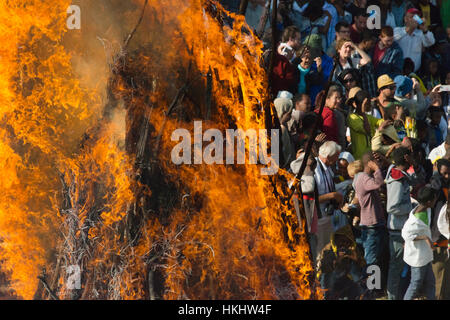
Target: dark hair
358,12
442,162
398,155
313,10
299,97
426,194
387,31
360,97
432,110
309,120
389,112
289,33
355,74
408,63
341,24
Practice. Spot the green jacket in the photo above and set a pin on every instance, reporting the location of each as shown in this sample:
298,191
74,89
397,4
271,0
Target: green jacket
361,141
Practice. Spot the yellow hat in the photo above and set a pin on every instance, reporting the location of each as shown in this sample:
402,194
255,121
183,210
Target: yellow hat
351,94
384,81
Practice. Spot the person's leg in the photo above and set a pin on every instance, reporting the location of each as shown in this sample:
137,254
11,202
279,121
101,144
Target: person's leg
418,275
439,271
373,246
430,283
395,265
445,286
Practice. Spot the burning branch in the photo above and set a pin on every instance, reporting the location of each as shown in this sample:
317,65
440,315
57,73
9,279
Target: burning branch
130,36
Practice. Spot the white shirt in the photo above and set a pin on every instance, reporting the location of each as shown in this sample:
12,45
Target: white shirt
437,153
413,44
417,253
443,223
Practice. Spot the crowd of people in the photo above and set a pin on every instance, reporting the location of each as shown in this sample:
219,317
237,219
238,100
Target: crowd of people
375,187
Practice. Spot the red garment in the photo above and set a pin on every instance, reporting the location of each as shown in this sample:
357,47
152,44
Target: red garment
285,76
329,124
396,174
355,35
378,54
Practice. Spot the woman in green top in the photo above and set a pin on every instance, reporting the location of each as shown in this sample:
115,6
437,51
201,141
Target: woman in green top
362,125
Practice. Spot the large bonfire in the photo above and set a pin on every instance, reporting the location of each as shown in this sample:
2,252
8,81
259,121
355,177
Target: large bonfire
88,187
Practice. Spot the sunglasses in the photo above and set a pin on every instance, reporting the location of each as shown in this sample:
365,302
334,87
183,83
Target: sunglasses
389,87
348,80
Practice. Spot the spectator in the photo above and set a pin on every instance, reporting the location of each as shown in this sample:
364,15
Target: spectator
348,59
308,76
399,205
343,15
441,262
334,20
283,107
310,201
329,122
340,266
359,25
431,76
342,179
342,32
302,105
418,252
408,71
399,8
386,92
387,17
430,13
435,135
367,71
386,138
329,199
412,38
315,21
443,151
356,6
305,132
373,223
285,75
322,65
387,56
408,93
350,78
362,126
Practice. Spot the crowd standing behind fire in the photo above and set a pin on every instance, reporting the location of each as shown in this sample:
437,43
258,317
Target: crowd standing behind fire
375,188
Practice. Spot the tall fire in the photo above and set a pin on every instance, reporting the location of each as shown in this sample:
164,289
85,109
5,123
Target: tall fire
91,205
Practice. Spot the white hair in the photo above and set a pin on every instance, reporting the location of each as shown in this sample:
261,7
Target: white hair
329,149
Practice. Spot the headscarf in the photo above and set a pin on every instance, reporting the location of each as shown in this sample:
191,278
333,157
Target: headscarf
282,106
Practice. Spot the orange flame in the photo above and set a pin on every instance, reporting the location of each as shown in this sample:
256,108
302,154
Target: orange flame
231,236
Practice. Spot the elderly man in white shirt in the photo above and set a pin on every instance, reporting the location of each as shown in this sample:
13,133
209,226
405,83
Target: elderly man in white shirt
412,38
329,198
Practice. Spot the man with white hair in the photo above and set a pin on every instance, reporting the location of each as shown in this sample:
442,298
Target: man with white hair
329,199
